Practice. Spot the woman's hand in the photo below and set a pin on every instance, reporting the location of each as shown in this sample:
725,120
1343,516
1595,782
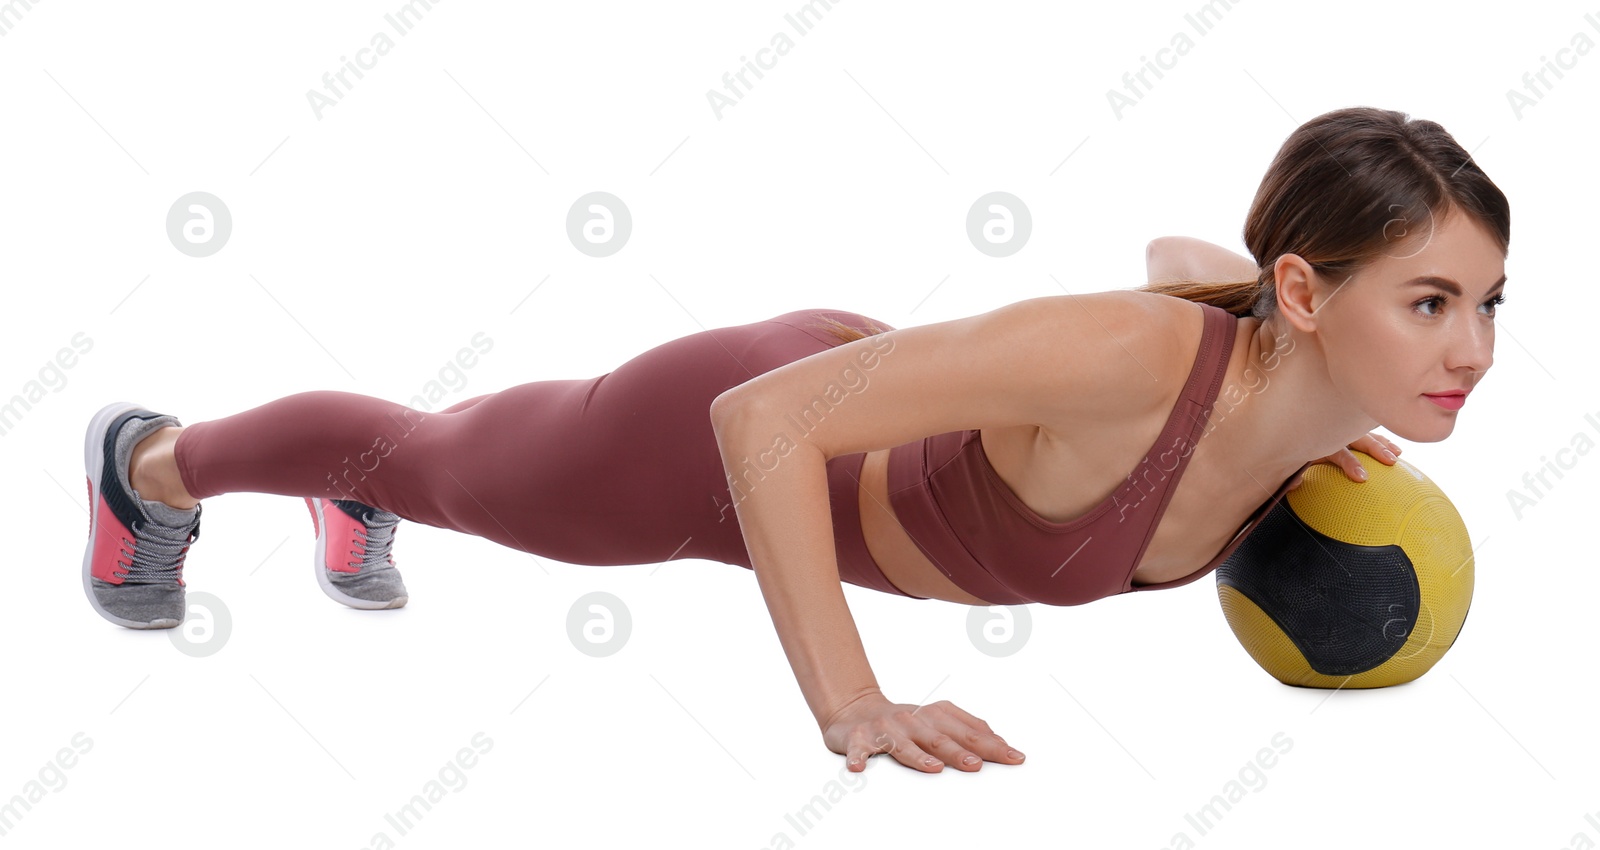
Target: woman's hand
926,738
1373,445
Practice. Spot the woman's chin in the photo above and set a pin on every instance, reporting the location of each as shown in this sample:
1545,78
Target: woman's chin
1431,432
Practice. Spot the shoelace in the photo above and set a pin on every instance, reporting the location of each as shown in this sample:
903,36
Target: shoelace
379,540
158,551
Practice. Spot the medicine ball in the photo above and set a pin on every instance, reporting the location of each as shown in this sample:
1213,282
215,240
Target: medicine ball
1351,584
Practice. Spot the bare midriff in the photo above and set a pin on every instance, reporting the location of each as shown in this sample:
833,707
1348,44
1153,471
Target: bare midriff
902,563
1199,521
1176,549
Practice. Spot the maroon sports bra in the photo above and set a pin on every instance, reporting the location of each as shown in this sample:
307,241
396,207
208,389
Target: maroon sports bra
970,524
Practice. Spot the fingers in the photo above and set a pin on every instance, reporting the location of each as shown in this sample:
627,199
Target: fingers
931,747
1346,460
1379,447
948,739
1375,446
930,737
862,747
902,747
985,741
969,737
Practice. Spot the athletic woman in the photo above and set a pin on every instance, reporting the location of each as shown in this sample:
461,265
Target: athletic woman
1059,449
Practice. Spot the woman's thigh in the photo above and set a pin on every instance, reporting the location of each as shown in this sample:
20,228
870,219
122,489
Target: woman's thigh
622,468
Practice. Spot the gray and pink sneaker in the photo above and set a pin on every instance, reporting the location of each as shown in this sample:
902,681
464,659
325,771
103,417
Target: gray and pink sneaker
352,557
133,563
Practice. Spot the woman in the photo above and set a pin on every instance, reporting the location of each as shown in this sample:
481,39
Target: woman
983,460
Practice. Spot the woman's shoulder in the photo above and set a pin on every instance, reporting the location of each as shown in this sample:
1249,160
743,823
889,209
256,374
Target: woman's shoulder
1147,347
1131,308
1163,327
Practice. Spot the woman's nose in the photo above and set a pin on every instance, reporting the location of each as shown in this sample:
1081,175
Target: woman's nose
1473,347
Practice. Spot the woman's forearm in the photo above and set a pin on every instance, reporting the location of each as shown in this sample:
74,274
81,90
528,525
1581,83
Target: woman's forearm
787,523
1187,258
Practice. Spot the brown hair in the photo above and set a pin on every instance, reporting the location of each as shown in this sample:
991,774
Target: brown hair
1345,188
845,332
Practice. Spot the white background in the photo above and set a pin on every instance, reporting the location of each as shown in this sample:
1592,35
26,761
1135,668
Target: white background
371,243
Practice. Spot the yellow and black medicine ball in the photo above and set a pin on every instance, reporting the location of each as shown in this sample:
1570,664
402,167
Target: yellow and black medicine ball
1351,584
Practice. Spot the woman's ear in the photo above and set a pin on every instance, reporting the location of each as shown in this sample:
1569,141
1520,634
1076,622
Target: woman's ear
1296,287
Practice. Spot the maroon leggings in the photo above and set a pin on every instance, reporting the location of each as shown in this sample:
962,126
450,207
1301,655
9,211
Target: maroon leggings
622,468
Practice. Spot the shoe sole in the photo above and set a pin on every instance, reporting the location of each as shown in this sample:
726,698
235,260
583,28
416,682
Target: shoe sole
318,507
94,455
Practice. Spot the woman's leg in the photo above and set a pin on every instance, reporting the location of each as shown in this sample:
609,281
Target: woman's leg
622,468
153,470
458,468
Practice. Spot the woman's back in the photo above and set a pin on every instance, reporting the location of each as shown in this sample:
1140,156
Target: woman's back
1063,512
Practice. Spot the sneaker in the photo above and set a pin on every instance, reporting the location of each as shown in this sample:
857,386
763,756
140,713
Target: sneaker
133,563
352,557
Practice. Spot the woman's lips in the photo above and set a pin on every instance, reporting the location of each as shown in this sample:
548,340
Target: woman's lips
1452,401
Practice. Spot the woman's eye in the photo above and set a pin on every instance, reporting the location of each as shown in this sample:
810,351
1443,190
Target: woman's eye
1439,301
1436,300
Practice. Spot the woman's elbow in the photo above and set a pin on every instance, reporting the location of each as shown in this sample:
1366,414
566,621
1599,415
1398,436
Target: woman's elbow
1163,258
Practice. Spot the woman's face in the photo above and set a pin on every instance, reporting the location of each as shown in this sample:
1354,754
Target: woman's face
1399,339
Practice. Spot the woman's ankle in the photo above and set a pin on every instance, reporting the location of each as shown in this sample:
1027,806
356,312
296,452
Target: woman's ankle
153,470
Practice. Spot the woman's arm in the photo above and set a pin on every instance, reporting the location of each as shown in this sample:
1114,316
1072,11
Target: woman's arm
1040,361
784,515
1187,258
